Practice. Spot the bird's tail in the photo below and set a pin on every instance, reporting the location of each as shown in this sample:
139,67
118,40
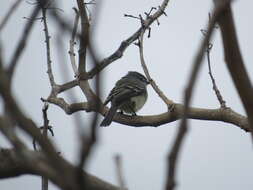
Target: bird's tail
109,116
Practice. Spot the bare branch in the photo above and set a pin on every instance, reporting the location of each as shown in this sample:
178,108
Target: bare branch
225,115
84,38
167,101
45,128
215,88
47,40
67,86
124,44
68,108
72,43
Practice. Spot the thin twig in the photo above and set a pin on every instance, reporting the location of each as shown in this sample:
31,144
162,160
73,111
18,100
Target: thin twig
9,13
72,43
175,150
125,43
122,47
131,16
208,51
167,101
215,88
47,40
45,128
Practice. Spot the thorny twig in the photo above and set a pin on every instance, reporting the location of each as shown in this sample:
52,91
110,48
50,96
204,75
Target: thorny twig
215,88
47,41
45,128
72,43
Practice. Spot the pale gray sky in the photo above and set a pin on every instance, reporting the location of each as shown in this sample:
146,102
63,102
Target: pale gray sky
216,155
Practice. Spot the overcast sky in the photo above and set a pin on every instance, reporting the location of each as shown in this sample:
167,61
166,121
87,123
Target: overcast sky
215,155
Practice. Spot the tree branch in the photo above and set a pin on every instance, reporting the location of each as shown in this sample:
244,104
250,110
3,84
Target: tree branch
72,43
47,41
167,101
225,115
124,44
84,37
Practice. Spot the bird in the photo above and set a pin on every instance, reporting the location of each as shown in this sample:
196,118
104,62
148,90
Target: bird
128,95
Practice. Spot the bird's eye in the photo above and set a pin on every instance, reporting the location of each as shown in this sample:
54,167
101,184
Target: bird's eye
143,80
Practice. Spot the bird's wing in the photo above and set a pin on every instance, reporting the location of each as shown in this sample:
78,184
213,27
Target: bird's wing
110,96
126,92
122,92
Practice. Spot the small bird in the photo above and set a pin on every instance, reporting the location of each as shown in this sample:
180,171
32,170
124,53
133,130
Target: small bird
129,95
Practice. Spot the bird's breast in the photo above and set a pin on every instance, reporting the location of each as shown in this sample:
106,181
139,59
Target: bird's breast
139,101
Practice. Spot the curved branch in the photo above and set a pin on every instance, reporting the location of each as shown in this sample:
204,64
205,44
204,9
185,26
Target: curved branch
164,98
68,108
221,114
224,115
